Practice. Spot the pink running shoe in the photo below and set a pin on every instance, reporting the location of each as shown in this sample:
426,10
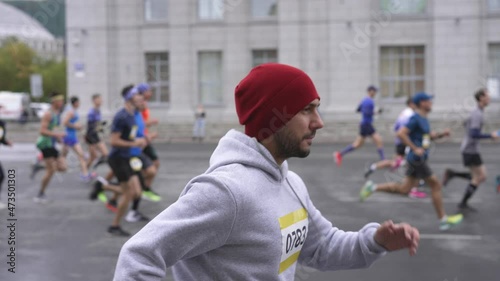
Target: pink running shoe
397,163
338,158
414,193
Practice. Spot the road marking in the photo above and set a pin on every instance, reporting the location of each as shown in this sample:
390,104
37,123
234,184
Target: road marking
451,237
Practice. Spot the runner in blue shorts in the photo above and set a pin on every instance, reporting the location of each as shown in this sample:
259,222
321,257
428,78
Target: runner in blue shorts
72,125
366,129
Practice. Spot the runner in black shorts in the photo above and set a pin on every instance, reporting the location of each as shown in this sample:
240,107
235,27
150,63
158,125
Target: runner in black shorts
417,135
94,127
470,149
366,129
46,143
123,137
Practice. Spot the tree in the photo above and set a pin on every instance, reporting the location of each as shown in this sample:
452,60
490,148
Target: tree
18,61
53,76
16,66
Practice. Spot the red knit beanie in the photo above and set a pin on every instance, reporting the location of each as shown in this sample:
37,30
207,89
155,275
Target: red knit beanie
269,96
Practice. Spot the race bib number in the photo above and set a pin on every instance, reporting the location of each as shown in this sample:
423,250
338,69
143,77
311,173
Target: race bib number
133,132
136,164
426,141
294,227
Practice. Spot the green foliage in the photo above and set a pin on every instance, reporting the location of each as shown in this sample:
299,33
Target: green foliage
18,61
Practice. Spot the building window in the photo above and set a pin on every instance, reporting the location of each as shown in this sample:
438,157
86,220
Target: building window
494,5
264,8
155,10
264,56
404,7
210,78
211,9
402,71
493,82
494,59
158,76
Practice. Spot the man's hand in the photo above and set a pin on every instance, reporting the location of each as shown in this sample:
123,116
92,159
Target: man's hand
419,151
59,137
494,135
153,135
446,132
140,142
399,236
154,121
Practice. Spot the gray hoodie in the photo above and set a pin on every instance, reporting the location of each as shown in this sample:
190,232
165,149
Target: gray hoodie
245,218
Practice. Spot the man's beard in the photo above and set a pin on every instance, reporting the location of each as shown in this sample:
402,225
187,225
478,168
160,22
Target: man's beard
288,145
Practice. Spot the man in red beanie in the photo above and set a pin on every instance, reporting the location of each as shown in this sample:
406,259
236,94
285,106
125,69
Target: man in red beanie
248,217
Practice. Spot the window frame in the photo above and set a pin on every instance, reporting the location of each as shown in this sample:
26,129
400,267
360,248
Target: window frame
405,16
491,57
154,21
489,11
413,78
199,81
265,51
210,20
158,84
264,18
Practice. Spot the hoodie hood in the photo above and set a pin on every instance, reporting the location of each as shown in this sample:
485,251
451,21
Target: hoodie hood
238,148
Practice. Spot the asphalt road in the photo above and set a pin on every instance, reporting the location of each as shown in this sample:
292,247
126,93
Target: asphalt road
66,239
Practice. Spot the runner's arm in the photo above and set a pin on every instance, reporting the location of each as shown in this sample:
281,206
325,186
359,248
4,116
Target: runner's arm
476,134
329,248
403,135
67,121
151,122
201,220
118,142
44,126
440,135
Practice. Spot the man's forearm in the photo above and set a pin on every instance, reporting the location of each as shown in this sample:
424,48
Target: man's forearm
406,140
476,134
122,143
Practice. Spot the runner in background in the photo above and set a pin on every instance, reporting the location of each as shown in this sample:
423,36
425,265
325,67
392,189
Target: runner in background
46,143
149,151
417,135
72,125
470,150
95,125
366,129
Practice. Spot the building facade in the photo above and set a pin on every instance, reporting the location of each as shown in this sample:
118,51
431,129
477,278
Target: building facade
196,51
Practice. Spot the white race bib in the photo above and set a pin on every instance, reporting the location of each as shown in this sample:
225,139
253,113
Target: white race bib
136,164
426,141
294,228
133,132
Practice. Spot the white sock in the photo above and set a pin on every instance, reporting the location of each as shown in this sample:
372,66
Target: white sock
373,187
373,167
444,219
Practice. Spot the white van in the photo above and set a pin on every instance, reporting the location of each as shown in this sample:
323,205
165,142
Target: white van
13,104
